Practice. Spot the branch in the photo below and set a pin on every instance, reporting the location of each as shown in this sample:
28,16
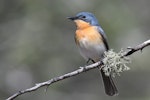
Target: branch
76,72
137,48
56,79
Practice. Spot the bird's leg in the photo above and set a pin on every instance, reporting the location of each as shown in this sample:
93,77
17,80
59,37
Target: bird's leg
90,60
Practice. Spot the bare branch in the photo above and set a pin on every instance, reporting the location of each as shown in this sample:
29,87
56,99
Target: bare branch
76,72
137,48
56,79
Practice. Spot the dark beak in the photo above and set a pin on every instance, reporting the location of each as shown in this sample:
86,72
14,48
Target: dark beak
72,18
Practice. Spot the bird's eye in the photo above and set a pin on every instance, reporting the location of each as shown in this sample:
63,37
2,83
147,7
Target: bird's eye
83,16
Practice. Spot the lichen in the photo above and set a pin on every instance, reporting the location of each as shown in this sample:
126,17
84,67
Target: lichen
115,63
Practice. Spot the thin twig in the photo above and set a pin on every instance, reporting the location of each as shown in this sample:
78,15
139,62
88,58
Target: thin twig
76,72
137,48
56,79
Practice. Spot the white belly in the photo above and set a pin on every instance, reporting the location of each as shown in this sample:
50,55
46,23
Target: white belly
91,51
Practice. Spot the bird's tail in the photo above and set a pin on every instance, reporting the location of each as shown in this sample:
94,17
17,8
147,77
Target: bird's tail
109,85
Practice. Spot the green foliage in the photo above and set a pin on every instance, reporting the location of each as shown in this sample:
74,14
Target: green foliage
115,63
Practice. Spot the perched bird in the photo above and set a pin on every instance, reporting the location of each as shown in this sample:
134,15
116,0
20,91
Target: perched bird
91,41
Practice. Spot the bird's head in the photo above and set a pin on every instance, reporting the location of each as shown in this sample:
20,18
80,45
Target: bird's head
84,19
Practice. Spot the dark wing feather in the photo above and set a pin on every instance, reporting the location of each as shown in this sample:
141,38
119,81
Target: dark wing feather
103,37
109,85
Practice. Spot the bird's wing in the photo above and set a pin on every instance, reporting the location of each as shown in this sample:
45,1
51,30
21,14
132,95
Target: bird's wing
101,31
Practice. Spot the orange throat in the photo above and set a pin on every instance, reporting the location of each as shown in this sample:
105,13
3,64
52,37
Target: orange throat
82,24
88,33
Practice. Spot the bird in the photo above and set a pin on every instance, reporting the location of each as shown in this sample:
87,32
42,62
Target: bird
91,41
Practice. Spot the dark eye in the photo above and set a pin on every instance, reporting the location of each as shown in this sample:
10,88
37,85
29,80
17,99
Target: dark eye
83,16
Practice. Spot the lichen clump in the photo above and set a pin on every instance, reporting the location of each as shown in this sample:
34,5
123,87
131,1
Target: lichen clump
115,63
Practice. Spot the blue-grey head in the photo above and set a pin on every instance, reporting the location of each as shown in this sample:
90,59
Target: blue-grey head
86,17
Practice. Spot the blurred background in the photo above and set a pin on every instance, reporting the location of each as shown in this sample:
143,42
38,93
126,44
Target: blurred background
37,44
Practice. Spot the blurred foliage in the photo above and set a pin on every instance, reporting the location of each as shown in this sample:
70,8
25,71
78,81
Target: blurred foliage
37,43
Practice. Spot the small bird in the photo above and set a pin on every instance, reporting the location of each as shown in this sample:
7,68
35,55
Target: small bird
91,41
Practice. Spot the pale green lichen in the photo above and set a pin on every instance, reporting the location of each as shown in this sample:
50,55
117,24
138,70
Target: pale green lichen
115,63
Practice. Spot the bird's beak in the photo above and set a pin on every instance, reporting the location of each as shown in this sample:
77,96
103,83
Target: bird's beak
73,18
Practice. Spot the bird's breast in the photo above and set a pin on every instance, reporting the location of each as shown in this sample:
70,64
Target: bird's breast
88,35
90,43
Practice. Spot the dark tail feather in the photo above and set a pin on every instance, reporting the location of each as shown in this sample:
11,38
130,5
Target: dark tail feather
109,85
